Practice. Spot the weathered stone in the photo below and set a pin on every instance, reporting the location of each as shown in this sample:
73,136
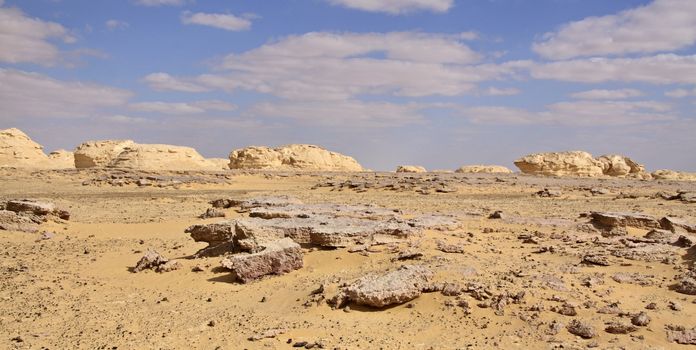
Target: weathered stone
160,157
276,258
292,157
681,335
676,225
19,151
219,236
621,166
620,328
614,224
11,221
549,193
152,260
30,206
666,174
575,163
380,290
488,169
61,159
410,169
212,213
641,319
99,154
582,329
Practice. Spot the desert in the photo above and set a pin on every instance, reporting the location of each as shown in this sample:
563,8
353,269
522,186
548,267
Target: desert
130,257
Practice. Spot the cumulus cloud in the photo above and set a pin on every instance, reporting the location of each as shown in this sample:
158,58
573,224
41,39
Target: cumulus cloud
25,94
663,25
396,7
180,108
340,66
161,2
576,113
659,69
602,94
681,93
217,20
349,113
114,24
164,81
27,40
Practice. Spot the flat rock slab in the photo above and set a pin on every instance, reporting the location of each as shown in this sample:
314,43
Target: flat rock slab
676,225
276,258
11,221
30,206
380,290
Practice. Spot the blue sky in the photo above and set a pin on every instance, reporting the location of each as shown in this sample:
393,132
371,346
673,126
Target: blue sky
439,83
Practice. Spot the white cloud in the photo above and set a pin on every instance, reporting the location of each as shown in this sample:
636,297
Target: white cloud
659,69
24,39
396,7
681,93
331,66
576,113
601,94
217,20
660,26
114,24
161,2
494,91
164,81
179,108
350,113
24,94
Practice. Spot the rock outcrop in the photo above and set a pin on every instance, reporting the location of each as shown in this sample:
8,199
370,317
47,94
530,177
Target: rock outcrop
220,163
582,164
492,169
126,154
410,169
61,159
666,174
19,151
574,163
99,154
276,258
380,290
292,157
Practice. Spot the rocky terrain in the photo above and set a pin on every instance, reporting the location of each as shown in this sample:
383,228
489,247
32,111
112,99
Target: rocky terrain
108,258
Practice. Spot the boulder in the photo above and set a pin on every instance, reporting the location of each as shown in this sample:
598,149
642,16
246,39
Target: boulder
11,221
61,159
574,163
292,157
99,154
622,166
490,169
160,157
19,151
152,260
380,290
614,224
276,258
666,174
410,169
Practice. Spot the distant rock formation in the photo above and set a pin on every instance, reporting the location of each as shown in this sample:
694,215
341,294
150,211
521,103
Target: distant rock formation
161,157
579,163
292,157
410,169
220,163
61,159
99,154
492,169
666,174
19,151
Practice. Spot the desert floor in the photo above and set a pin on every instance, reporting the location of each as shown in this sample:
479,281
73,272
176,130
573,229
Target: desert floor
76,289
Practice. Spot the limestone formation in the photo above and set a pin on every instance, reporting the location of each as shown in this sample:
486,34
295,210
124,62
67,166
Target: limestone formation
574,163
276,258
666,174
160,157
621,166
292,157
19,151
410,169
380,290
61,159
220,163
99,154
491,169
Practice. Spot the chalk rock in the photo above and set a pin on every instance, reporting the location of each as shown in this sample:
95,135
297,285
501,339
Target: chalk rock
574,163
292,157
380,290
276,258
622,166
410,169
490,169
99,154
666,174
19,151
152,260
160,157
220,163
61,159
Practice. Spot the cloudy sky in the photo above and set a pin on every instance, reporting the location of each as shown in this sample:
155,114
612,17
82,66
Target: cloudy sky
439,83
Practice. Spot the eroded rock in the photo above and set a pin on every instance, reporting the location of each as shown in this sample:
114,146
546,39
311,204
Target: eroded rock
380,290
275,258
292,157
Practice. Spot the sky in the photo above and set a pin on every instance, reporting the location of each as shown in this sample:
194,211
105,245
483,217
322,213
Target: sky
437,83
